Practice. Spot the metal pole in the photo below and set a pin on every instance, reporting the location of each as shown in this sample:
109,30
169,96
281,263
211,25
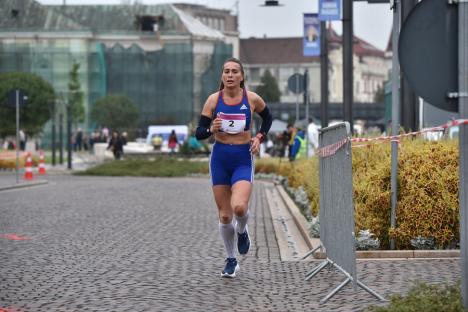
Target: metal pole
323,74
17,136
409,101
297,98
348,63
395,114
53,132
69,134
306,94
463,107
61,138
53,140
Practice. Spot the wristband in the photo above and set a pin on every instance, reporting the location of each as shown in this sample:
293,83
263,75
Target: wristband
260,136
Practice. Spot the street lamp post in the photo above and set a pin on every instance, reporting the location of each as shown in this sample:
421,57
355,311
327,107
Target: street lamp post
52,108
395,115
348,63
463,144
323,74
69,137
61,138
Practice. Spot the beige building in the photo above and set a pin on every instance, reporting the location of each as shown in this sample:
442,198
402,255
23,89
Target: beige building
218,19
283,57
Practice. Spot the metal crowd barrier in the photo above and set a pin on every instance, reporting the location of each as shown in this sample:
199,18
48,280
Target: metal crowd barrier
337,207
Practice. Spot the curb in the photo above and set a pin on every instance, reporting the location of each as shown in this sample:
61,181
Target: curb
298,218
400,254
302,225
23,185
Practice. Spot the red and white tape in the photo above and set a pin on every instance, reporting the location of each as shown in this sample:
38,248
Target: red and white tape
333,148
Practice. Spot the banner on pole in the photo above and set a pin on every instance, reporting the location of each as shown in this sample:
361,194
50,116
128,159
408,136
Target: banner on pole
311,38
329,10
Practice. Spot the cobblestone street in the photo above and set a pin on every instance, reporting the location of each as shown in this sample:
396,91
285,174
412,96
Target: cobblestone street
151,244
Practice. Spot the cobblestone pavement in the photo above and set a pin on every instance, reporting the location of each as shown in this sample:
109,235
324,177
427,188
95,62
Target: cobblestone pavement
149,244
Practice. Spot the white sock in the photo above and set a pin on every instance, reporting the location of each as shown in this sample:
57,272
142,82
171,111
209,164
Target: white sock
227,234
242,223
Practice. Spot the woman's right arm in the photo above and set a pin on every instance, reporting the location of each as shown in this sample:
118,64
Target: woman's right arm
205,129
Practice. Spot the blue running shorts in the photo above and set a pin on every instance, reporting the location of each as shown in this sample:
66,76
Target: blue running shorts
230,163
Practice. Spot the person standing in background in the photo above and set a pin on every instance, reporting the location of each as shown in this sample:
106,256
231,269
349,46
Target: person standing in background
172,141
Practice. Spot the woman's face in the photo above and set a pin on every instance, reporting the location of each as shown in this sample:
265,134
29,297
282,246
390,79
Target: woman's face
232,75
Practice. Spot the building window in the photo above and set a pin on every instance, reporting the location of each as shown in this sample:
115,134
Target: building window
254,74
149,23
222,25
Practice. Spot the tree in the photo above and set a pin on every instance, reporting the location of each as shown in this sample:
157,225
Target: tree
269,89
379,94
39,105
117,112
75,97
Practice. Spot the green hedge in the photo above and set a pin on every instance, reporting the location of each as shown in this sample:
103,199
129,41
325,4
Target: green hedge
427,190
425,298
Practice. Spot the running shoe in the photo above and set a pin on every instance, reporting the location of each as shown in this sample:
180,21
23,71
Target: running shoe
243,242
231,268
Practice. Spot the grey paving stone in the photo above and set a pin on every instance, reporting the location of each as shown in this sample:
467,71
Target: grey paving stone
149,244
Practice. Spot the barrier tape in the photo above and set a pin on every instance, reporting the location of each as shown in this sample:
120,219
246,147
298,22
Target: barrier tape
333,148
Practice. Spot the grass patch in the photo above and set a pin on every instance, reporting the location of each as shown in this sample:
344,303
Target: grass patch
160,167
425,298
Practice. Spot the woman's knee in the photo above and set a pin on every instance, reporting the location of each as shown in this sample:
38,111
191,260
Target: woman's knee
225,218
239,209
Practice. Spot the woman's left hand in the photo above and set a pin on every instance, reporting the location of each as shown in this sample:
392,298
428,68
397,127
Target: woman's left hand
255,145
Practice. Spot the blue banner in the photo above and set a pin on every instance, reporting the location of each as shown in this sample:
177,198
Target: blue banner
329,10
311,38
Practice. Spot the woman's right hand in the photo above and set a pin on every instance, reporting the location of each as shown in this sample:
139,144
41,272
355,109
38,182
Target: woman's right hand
216,125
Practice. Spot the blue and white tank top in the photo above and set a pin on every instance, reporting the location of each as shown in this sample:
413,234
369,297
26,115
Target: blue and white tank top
235,118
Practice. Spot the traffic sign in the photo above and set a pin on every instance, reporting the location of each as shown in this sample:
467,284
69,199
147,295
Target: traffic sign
22,98
428,52
296,83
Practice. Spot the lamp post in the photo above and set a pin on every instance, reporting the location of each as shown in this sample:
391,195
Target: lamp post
323,74
69,136
348,84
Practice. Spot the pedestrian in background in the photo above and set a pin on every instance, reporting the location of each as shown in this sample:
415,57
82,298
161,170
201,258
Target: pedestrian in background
228,115
116,145
172,141
291,135
22,140
78,140
299,148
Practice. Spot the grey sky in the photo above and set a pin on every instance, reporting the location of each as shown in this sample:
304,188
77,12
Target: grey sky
371,22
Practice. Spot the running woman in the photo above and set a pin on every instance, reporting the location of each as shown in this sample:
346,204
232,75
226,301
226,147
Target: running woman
227,114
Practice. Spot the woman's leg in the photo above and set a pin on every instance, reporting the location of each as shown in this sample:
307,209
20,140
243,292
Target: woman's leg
241,191
222,195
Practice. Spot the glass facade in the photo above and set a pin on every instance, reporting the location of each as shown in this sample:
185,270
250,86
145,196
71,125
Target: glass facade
159,82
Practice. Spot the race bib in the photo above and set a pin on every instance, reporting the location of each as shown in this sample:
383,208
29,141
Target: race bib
232,123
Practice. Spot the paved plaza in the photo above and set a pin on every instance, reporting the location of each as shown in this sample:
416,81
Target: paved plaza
152,244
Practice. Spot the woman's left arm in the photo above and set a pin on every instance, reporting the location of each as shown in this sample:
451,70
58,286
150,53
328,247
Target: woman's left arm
261,109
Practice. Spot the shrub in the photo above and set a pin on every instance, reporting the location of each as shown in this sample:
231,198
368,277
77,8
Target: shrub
371,186
427,190
301,174
425,298
160,167
8,160
428,193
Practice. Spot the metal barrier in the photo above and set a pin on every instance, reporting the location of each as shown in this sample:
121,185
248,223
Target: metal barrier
336,207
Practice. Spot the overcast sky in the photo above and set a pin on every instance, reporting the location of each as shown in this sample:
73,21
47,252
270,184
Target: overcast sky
372,22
